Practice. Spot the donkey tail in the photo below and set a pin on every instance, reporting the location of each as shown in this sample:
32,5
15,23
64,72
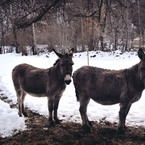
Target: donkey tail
76,91
77,96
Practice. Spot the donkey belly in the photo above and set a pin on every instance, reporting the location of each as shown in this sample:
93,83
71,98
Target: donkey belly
106,99
35,92
36,95
35,89
105,94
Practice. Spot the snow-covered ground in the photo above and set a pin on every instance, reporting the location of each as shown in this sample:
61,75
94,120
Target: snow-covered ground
68,110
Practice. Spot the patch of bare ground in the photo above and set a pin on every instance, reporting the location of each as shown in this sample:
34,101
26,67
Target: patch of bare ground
103,133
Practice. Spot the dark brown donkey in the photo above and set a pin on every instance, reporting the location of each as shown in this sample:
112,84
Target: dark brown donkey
109,87
38,82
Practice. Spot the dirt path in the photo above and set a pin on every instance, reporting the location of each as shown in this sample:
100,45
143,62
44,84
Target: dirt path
41,133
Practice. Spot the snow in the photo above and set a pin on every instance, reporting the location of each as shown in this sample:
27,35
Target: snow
11,123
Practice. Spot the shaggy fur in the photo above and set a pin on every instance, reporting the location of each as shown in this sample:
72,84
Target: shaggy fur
38,82
109,87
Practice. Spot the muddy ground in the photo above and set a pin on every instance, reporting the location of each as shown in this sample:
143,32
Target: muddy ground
103,133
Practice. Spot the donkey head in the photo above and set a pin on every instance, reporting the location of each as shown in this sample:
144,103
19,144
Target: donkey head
65,63
141,68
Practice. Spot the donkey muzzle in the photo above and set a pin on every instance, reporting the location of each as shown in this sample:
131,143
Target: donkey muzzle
67,79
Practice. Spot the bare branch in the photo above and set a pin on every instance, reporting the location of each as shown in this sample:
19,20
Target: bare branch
25,22
121,3
85,15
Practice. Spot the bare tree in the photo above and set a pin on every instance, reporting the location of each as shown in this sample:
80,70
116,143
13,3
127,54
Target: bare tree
26,21
81,24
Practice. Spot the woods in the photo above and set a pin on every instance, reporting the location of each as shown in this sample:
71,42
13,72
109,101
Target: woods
63,24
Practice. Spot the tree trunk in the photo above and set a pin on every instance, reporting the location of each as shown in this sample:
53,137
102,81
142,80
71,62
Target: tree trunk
82,34
116,38
2,37
34,43
34,46
139,22
16,44
15,40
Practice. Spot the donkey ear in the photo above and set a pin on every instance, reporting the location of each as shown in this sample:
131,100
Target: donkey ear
71,52
141,54
58,54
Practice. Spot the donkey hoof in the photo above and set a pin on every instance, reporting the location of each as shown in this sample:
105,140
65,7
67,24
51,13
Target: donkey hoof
25,114
90,123
87,128
121,130
20,115
52,123
57,121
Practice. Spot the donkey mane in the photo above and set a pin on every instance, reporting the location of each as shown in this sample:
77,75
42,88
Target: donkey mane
56,62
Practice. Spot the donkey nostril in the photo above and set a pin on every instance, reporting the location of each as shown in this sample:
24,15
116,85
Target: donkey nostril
67,82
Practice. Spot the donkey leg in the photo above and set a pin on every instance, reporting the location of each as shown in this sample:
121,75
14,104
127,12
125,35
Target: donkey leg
56,103
83,109
19,100
23,110
50,109
124,109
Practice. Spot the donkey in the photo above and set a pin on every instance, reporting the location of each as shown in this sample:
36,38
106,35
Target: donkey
109,87
39,82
